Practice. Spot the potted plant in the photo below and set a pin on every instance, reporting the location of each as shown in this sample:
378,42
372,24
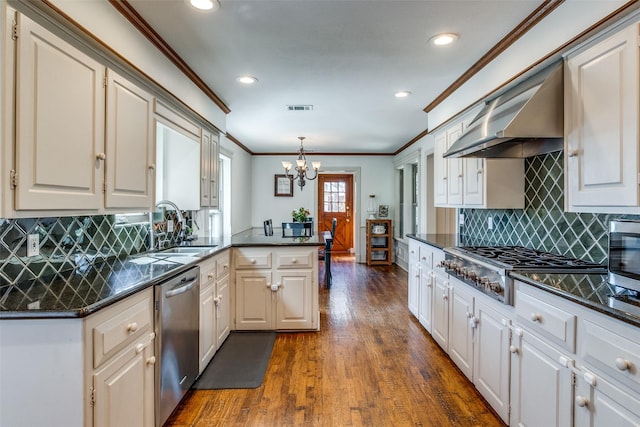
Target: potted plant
300,215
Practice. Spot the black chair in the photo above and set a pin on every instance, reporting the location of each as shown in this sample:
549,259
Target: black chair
268,227
328,247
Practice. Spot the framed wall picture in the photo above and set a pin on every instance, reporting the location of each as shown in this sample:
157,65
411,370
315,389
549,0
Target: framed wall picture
383,211
283,186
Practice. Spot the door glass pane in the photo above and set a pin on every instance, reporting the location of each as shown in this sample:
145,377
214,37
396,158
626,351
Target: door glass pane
335,197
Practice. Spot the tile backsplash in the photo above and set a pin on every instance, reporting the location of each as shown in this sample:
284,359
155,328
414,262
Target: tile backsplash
543,224
66,243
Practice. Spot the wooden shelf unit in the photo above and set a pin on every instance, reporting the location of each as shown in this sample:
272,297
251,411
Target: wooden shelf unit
379,245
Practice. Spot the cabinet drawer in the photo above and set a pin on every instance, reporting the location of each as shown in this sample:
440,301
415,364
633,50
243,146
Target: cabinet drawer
122,326
300,259
207,273
251,258
222,265
551,322
613,354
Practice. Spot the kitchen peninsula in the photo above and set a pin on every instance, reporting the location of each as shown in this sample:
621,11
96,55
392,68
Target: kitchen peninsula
87,338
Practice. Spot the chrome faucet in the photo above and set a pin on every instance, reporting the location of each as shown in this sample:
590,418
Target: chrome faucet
162,243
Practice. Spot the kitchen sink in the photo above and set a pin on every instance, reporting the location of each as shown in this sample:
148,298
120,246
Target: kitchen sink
186,251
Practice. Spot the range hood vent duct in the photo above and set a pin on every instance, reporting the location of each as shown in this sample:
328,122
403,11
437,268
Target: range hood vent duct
524,121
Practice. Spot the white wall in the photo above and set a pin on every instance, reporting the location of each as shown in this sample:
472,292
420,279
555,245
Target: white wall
376,178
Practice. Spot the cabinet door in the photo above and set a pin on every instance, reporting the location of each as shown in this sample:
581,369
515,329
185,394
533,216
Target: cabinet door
253,300
130,142
473,182
414,286
208,344
491,357
294,299
440,170
205,169
223,306
604,405
541,388
124,389
59,123
440,325
460,331
425,301
214,172
456,176
602,113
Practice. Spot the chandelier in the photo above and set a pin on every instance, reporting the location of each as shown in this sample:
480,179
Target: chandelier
301,170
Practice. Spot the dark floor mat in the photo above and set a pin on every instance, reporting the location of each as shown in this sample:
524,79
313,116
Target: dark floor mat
240,363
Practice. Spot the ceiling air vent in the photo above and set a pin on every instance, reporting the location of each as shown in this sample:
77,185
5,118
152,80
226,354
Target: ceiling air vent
299,107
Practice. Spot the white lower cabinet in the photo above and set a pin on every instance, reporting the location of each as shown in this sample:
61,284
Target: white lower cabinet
541,387
422,258
440,323
601,404
276,289
460,327
214,306
119,346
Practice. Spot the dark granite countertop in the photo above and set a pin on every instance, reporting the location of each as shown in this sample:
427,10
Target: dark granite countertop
93,285
589,290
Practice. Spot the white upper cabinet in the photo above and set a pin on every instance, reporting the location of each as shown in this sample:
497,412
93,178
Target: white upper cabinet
601,125
84,138
209,157
129,144
60,102
475,182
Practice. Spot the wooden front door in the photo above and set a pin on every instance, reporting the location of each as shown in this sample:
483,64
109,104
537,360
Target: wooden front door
335,200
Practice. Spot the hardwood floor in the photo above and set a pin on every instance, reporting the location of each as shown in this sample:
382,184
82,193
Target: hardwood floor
372,364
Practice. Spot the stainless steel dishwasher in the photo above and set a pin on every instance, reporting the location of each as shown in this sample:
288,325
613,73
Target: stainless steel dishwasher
176,319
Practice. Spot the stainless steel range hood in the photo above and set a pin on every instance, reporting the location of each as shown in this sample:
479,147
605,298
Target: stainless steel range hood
524,121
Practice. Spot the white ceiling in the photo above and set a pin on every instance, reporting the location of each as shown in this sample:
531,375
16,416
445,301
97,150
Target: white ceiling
347,58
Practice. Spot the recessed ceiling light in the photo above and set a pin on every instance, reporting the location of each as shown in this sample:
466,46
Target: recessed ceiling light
443,39
247,80
206,5
402,94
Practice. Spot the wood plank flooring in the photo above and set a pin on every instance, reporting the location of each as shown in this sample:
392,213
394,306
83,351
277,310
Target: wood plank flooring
372,364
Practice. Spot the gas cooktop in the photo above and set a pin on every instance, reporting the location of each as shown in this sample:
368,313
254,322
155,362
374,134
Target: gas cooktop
519,258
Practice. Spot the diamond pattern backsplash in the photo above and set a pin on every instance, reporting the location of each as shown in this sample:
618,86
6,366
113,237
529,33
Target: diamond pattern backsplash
543,224
65,243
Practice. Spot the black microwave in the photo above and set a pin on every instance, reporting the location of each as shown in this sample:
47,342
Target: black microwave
624,254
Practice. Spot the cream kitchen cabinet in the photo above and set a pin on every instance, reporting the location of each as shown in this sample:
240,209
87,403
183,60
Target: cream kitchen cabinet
422,258
120,363
83,133
541,386
276,288
214,306
461,309
602,107
474,182
210,160
440,320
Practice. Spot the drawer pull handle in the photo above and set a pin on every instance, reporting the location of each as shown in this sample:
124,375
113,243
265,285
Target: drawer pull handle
132,327
581,401
151,360
623,364
536,317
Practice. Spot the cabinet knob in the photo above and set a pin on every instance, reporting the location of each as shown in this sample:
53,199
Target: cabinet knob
152,167
216,300
473,322
151,360
573,153
132,327
459,176
513,349
101,156
623,364
274,287
581,401
210,276
294,261
253,261
445,297
479,171
536,317
139,348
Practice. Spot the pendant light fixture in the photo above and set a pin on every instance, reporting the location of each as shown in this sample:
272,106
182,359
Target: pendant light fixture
301,169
